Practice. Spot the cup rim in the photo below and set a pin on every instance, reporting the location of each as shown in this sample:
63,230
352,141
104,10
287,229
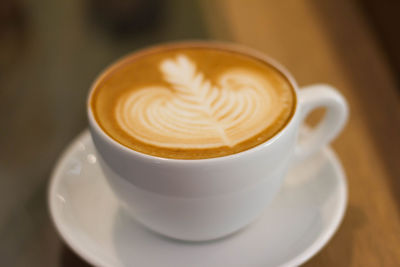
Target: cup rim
233,47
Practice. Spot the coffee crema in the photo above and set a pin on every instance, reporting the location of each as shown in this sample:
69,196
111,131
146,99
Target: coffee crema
192,102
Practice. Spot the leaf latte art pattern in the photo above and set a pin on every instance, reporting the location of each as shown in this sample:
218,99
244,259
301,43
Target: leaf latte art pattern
194,113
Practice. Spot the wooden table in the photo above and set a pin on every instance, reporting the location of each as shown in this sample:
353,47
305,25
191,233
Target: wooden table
57,48
332,42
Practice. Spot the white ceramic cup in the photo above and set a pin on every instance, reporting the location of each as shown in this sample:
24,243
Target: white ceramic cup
204,199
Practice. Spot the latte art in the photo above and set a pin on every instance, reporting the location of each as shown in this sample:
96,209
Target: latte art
192,102
193,112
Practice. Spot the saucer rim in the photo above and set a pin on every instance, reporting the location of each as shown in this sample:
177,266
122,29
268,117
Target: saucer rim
93,259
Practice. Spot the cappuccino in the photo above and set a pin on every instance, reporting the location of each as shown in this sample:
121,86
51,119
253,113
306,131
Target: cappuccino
192,101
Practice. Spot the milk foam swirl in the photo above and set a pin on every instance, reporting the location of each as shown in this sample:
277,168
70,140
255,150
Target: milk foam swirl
194,113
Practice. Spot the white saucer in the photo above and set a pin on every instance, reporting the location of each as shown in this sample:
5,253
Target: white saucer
298,223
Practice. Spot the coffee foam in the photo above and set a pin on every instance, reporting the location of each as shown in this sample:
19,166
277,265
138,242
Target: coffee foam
194,113
192,103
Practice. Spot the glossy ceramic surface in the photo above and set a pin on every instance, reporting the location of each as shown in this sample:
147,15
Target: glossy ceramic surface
295,226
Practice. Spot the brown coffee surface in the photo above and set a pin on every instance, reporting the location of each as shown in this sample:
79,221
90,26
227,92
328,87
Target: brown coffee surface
192,102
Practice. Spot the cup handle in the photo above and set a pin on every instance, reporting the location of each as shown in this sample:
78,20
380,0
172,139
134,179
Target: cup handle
310,98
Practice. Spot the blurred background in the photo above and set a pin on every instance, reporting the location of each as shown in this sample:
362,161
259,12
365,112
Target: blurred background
51,51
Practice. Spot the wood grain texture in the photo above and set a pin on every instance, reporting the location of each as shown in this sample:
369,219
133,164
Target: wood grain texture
331,42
